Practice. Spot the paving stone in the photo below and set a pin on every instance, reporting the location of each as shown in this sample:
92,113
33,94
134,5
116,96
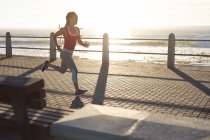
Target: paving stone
131,85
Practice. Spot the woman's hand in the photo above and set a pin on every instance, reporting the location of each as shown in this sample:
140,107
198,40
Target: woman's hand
59,48
86,44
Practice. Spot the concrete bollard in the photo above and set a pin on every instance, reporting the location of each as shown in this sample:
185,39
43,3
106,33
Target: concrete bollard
8,45
52,48
171,51
105,56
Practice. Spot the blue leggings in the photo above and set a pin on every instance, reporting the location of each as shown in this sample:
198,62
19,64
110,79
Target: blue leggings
74,76
68,62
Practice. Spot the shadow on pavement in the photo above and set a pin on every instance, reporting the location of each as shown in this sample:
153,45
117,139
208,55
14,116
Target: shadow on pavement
194,82
99,93
30,71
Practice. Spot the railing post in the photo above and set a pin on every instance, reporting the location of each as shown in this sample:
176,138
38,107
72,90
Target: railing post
171,51
8,45
52,48
105,57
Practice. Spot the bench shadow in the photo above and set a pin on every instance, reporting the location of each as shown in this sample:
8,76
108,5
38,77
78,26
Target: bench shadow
30,71
99,93
194,82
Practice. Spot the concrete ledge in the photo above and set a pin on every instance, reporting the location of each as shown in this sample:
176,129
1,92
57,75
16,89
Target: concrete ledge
95,122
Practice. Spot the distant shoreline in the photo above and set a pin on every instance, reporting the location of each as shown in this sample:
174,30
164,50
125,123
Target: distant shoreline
190,32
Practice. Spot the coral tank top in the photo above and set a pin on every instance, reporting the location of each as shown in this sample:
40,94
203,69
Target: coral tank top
70,39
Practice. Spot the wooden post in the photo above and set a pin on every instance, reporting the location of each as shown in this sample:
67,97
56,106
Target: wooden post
171,51
52,48
105,57
8,45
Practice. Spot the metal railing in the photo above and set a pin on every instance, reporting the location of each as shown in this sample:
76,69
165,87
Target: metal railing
105,43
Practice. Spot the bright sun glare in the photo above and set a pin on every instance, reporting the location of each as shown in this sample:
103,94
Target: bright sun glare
115,17
113,31
118,19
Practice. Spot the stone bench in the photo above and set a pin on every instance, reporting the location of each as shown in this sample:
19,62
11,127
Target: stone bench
23,107
20,92
95,122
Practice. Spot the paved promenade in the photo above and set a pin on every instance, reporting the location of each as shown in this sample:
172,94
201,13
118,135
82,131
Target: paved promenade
182,91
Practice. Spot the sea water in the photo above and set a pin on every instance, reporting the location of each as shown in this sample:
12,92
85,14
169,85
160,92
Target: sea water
138,47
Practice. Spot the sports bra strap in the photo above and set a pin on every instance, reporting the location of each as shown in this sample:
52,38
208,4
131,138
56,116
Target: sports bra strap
70,33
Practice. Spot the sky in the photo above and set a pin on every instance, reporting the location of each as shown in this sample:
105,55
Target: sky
104,15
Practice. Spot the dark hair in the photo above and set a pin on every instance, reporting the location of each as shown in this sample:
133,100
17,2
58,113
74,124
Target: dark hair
69,15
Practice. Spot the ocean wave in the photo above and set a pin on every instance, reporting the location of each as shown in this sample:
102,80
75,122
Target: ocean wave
197,44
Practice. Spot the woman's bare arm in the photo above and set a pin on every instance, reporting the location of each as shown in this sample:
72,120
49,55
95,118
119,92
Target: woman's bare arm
84,44
58,33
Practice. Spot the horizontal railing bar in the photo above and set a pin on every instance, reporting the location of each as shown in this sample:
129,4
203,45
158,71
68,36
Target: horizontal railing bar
191,40
29,37
157,39
47,37
30,48
137,39
193,55
138,53
92,38
49,49
2,47
88,50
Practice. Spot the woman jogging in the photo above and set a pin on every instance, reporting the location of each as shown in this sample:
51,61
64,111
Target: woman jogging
71,35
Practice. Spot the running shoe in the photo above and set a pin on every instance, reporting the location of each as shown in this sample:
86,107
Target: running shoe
45,65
